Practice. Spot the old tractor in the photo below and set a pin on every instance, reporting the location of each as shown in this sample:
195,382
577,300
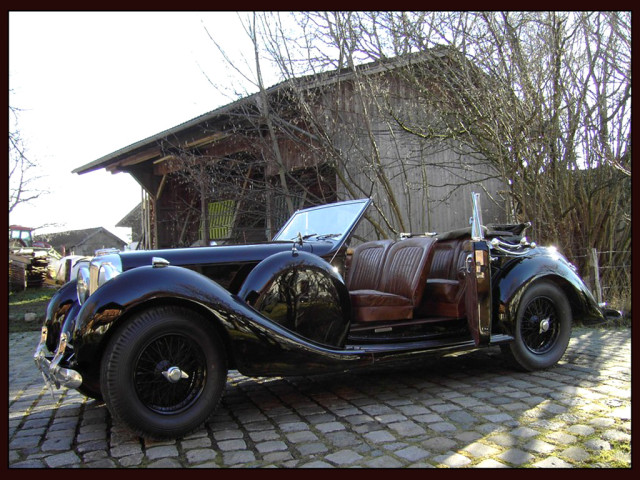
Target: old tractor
29,260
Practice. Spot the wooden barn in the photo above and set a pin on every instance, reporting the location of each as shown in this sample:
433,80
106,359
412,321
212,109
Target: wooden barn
236,173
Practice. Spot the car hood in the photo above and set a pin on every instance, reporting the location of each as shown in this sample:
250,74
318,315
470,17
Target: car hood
221,254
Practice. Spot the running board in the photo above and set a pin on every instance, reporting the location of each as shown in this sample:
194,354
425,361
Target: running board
500,338
432,345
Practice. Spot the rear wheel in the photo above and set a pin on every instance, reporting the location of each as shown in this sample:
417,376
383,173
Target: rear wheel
164,372
543,328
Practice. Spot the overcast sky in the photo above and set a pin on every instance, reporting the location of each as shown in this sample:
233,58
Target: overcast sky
91,83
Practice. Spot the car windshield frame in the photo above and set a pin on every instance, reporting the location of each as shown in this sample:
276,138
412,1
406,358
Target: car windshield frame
334,222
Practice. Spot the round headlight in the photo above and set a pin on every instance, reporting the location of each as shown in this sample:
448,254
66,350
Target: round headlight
107,272
83,284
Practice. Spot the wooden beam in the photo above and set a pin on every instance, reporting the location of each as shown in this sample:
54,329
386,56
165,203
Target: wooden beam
141,157
200,142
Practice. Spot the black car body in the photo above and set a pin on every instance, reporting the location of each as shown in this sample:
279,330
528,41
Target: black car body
153,333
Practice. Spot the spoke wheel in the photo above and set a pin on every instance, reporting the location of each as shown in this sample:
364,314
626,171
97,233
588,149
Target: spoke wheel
163,372
542,328
159,393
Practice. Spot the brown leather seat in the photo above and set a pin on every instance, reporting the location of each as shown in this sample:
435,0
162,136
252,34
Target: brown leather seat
365,269
401,284
443,295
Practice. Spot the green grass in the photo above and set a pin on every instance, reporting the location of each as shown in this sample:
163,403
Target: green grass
31,300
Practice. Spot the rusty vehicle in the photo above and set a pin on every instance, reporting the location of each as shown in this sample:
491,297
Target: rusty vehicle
154,333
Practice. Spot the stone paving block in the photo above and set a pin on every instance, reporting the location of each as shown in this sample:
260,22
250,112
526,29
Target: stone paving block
453,460
271,446
413,410
445,407
490,463
428,418
616,436
238,457
125,450
311,448
442,427
165,463
498,418
577,454
384,461
343,439
390,418
60,444
503,439
330,427
462,417
413,453
131,460
515,456
562,438
227,435
343,457
539,446
478,449
200,455
301,437
66,459
552,462
102,463
316,464
293,426
276,458
407,428
524,432
195,443
379,436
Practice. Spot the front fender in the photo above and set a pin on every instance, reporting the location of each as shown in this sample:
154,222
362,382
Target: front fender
62,307
546,263
256,344
303,293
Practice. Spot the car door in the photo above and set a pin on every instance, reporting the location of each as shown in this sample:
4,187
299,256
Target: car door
477,278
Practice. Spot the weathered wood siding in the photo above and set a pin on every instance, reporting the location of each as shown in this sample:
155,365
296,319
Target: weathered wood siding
417,186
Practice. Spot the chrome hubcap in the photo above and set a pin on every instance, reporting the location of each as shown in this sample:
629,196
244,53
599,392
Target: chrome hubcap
174,374
544,325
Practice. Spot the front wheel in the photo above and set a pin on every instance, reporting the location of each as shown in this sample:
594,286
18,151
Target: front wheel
164,372
542,330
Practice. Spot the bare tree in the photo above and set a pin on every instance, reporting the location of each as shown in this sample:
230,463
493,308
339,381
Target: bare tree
543,98
22,177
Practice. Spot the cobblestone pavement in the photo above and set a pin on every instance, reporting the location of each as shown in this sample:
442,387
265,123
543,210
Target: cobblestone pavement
466,410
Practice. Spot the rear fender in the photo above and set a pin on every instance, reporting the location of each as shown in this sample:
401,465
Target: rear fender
513,281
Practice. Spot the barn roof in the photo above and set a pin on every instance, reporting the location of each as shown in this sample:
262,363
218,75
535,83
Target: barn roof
191,132
74,238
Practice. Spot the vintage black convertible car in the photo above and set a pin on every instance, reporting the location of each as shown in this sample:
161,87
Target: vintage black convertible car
153,333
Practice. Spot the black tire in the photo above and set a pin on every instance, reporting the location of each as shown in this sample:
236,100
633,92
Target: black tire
542,329
148,401
90,392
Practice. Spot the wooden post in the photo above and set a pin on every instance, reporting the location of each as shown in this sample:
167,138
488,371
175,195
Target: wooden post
596,274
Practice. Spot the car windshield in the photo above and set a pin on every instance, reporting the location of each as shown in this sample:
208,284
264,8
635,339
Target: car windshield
327,222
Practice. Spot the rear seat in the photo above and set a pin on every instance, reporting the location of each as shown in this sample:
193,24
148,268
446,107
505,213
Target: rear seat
444,292
386,280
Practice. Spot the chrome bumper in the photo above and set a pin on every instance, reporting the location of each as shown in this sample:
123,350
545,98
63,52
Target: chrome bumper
52,372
